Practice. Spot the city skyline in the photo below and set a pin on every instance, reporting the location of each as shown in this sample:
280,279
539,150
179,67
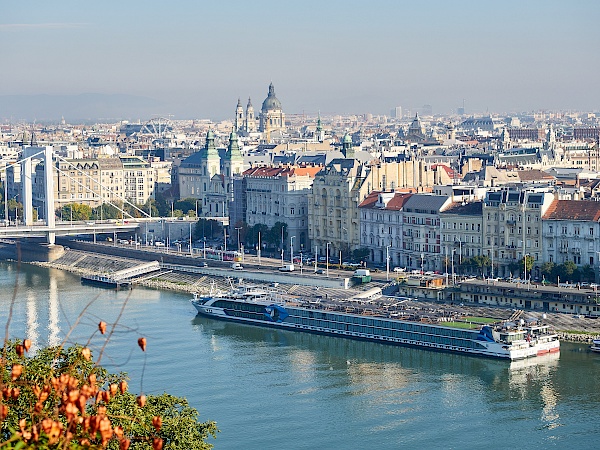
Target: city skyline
192,60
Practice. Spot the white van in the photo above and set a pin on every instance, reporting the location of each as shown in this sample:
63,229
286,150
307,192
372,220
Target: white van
237,266
362,273
287,268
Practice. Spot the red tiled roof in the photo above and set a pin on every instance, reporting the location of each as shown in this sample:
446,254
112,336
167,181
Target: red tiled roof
573,210
284,171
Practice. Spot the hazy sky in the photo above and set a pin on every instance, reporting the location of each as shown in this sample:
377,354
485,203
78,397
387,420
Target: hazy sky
336,56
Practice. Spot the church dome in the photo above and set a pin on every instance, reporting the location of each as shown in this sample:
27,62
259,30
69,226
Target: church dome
271,102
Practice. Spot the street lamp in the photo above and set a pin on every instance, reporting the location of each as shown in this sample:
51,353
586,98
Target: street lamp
452,263
459,250
387,262
196,209
238,230
525,266
327,257
292,249
422,258
191,249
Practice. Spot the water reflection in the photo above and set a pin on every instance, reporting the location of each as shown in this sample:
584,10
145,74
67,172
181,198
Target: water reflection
32,332
53,317
398,365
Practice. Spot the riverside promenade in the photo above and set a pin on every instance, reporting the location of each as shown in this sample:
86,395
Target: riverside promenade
103,261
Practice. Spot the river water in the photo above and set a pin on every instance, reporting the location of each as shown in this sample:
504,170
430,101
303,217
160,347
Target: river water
271,389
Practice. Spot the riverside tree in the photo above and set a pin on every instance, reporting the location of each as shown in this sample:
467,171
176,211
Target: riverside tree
59,398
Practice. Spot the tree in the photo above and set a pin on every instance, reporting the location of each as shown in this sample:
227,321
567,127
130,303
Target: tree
548,271
567,270
587,273
162,205
207,228
60,398
277,235
361,254
107,211
187,204
479,263
252,234
15,208
76,211
526,265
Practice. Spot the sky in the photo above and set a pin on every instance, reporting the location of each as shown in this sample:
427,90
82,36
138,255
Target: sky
196,58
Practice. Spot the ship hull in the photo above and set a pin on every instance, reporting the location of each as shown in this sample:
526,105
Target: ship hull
482,349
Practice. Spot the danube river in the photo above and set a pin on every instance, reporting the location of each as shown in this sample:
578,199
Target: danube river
269,389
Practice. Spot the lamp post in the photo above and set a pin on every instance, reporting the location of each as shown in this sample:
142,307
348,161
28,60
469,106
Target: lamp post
525,255
327,258
292,249
259,249
196,209
387,262
191,248
446,261
282,246
452,263
238,230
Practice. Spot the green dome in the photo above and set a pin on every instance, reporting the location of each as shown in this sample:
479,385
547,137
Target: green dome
271,102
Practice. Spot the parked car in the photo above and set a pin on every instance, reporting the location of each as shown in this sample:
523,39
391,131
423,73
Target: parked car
399,269
320,271
237,266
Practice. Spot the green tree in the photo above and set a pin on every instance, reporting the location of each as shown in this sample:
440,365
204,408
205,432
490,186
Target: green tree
567,270
276,233
481,263
60,398
162,205
107,211
76,211
15,209
188,205
361,254
526,265
587,273
207,228
252,234
548,271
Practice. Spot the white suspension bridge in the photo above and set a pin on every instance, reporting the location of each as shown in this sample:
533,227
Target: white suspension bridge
50,227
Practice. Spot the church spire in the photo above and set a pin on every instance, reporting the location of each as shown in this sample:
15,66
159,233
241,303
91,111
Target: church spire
233,149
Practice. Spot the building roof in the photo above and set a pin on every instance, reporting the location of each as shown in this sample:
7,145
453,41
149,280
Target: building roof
284,171
271,102
573,210
424,203
395,203
465,209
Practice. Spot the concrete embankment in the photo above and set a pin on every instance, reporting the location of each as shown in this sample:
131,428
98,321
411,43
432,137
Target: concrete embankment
573,328
85,263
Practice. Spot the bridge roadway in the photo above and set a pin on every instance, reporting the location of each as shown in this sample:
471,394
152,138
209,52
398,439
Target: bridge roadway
67,228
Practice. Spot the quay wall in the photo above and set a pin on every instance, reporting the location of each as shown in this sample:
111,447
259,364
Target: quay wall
264,275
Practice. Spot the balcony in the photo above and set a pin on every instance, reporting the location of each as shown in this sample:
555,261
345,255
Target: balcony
511,222
577,251
590,237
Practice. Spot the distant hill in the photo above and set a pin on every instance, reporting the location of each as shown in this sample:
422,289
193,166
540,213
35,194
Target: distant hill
77,108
